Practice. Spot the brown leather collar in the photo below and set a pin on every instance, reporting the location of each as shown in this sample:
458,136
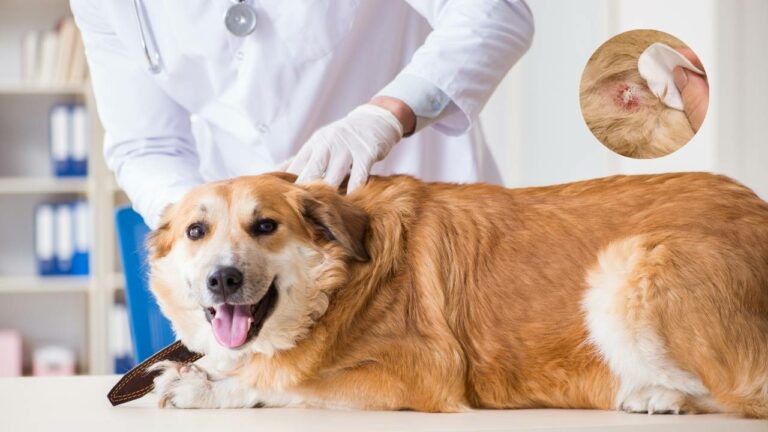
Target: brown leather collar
138,382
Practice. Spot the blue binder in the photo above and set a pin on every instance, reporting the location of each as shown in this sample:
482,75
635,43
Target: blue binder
45,241
78,157
150,330
68,132
62,238
60,139
81,220
64,234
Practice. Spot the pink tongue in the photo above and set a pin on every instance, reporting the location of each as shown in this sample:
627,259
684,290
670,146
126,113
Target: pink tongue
231,324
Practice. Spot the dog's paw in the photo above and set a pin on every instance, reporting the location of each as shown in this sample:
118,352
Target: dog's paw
655,400
181,385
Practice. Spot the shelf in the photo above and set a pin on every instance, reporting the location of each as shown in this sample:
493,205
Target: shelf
40,284
14,89
112,185
42,185
117,280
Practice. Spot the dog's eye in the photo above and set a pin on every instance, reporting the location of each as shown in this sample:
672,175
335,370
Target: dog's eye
264,226
196,231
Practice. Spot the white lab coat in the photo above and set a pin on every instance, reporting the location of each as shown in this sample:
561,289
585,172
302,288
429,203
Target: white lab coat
255,100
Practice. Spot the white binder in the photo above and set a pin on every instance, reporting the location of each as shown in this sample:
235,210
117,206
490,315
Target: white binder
82,227
65,245
45,242
80,134
60,136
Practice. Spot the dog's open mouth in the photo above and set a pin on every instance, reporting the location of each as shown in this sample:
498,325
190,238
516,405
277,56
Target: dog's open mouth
234,324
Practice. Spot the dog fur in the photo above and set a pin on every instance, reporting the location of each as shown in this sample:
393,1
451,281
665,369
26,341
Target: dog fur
618,106
641,293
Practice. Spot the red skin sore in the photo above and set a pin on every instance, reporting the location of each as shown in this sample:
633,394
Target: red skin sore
631,104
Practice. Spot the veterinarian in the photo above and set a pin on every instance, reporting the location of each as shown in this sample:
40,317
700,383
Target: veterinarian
196,91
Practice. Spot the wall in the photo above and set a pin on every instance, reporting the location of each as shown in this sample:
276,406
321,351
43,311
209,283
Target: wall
543,139
743,94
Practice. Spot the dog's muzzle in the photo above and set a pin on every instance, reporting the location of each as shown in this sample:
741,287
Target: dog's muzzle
235,324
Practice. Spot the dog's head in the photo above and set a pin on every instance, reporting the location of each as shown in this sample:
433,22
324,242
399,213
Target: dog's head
246,265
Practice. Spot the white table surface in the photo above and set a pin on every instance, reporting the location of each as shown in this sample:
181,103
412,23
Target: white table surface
80,404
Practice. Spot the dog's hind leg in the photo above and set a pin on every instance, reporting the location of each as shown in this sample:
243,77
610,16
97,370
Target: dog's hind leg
682,321
620,316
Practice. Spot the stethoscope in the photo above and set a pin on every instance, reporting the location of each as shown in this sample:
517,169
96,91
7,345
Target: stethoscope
240,20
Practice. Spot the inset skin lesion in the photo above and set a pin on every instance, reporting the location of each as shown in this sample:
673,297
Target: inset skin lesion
628,97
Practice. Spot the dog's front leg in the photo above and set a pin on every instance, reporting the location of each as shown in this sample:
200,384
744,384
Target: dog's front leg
189,386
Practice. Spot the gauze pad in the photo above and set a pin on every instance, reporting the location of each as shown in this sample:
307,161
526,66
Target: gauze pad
656,64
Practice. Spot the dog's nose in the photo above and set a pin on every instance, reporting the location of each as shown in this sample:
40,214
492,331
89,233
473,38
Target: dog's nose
225,281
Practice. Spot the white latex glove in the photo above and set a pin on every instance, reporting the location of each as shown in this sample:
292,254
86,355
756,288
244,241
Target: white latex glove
348,146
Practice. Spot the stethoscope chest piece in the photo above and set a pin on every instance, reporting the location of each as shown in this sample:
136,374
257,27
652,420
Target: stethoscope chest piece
240,19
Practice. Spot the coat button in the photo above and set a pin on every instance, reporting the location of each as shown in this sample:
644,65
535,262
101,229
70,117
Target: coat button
239,55
262,129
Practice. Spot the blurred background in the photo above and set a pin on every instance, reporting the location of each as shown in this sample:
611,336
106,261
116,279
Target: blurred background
68,315
534,125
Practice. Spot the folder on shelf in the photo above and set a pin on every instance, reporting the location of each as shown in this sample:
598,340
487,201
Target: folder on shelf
79,147
63,238
67,35
68,134
82,241
65,245
54,57
78,70
59,134
49,52
120,339
45,240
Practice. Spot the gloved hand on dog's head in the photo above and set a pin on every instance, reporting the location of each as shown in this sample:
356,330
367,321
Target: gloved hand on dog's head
348,146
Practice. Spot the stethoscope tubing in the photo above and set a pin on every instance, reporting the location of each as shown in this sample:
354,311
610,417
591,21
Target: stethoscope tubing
153,61
241,24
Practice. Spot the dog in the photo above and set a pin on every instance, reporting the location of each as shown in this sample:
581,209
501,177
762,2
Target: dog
618,106
638,293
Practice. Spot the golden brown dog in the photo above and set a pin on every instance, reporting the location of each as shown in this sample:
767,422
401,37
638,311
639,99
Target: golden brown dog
642,293
618,106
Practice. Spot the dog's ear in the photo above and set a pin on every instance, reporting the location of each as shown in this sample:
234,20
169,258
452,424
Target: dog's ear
335,219
160,240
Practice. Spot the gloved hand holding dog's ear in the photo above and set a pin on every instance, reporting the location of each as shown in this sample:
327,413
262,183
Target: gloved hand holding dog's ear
351,145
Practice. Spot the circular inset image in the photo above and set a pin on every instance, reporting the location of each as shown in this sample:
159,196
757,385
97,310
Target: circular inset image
644,94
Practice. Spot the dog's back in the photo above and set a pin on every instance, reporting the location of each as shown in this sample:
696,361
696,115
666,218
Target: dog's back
540,288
